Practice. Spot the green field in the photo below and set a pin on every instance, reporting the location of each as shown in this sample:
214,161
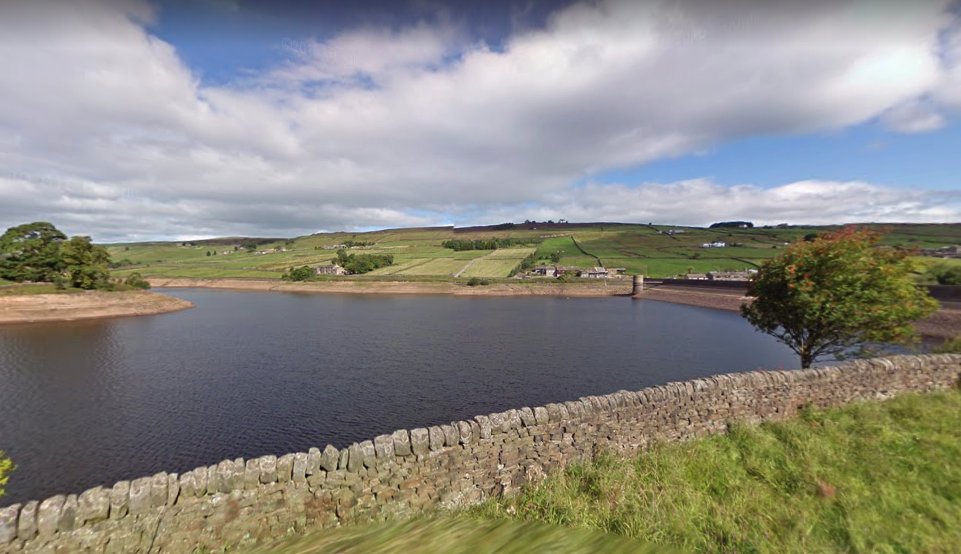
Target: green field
641,249
872,477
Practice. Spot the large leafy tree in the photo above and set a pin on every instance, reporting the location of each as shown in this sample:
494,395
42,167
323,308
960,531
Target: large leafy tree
86,264
837,293
31,252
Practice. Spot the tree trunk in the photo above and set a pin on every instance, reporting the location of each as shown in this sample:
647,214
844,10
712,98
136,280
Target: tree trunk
805,358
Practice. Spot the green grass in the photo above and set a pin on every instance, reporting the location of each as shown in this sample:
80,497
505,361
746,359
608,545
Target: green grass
35,288
873,477
491,268
459,536
419,252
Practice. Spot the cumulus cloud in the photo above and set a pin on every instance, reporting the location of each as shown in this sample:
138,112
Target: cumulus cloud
106,130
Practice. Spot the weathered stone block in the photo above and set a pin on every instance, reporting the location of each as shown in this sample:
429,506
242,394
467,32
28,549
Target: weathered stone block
355,458
513,419
450,435
384,447
298,473
27,523
368,453
464,432
268,469
68,515
344,459
158,490
484,423
541,416
8,523
419,441
93,506
251,475
285,467
553,413
119,500
436,438
140,495
173,488
401,443
328,461
48,516
313,461
527,417
499,423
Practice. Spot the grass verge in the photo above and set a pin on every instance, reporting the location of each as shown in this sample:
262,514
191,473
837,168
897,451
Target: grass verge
872,477
461,536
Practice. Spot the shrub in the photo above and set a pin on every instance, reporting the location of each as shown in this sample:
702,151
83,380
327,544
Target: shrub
950,346
475,281
136,281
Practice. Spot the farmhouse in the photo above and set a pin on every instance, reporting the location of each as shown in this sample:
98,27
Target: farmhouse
696,277
329,269
729,276
715,244
545,270
595,273
943,252
335,247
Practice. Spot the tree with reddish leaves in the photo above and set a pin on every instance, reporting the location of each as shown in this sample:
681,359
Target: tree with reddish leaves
837,294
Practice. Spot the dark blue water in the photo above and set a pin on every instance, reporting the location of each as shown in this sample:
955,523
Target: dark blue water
247,374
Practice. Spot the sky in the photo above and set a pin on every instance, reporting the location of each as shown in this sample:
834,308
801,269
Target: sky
132,120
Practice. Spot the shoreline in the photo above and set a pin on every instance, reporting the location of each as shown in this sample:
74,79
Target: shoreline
598,288
943,324
48,308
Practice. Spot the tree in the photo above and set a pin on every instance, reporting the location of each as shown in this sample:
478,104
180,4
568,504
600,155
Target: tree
302,273
86,264
6,466
31,252
837,293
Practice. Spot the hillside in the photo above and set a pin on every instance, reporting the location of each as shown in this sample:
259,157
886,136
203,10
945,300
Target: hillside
419,254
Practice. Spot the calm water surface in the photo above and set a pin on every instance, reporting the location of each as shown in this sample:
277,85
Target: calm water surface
246,374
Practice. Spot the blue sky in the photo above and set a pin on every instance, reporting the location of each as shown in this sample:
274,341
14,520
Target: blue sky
135,120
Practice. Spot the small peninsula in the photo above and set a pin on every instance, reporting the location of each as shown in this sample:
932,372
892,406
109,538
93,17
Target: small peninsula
35,308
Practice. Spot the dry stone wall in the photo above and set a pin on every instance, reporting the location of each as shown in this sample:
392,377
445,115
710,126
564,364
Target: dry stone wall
242,502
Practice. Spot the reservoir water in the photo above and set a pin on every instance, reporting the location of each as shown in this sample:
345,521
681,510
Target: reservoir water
246,374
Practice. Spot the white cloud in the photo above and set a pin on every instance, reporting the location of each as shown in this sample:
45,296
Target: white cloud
409,126
915,116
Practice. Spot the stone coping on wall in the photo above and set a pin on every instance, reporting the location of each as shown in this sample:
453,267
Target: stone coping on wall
241,502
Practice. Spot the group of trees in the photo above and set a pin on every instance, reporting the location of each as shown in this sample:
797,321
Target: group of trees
355,264
732,224
40,253
459,245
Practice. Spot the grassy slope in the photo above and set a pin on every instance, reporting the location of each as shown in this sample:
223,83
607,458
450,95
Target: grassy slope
418,252
460,536
873,477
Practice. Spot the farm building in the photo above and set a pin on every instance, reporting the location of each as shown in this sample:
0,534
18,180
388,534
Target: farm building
729,276
545,270
595,273
715,244
696,277
329,269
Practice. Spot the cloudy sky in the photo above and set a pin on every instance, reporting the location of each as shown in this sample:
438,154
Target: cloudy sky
140,120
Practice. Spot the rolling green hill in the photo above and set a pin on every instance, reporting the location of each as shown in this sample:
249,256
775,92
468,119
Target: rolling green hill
418,254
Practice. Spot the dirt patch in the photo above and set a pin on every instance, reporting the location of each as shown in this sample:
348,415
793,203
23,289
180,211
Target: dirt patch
91,305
